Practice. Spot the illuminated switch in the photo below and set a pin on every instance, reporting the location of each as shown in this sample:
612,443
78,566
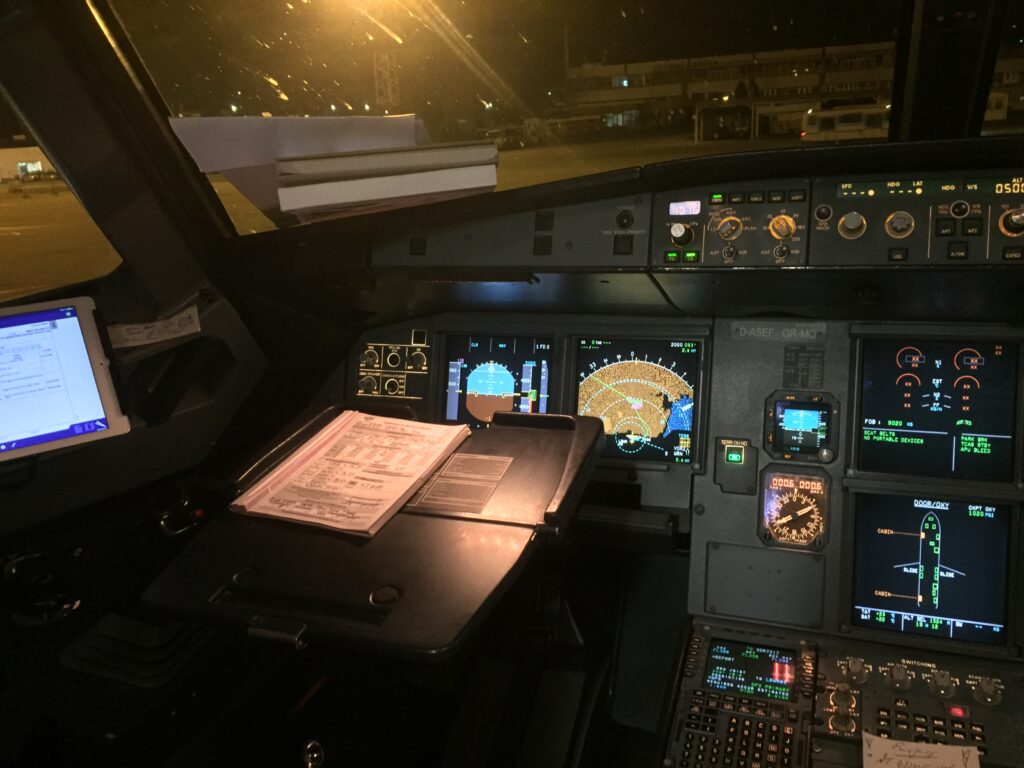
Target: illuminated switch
691,257
734,454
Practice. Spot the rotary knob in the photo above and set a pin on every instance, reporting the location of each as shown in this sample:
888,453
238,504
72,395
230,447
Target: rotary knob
1011,223
393,360
782,226
391,386
367,385
899,677
842,699
941,684
680,234
842,723
418,360
855,671
730,228
987,691
852,225
369,358
899,224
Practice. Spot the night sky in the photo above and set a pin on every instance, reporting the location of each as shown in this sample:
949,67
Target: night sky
206,55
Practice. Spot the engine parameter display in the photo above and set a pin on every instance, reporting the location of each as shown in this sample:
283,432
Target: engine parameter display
750,670
931,567
645,392
487,374
938,408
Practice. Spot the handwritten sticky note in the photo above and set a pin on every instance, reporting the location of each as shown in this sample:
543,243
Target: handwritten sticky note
888,753
185,323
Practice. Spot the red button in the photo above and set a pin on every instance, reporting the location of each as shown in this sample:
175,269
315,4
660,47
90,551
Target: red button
956,711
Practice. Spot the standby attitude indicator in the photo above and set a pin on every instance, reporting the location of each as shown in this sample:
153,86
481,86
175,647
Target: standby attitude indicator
645,392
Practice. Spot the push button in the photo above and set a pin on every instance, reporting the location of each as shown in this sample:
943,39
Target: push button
737,197
956,250
898,254
755,197
971,227
776,196
945,227
1013,253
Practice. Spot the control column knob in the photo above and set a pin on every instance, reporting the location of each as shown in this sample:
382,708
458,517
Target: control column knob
942,684
680,234
899,677
730,228
1011,223
987,692
852,225
855,670
782,226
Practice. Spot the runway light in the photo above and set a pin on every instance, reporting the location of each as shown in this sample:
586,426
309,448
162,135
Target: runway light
366,107
725,98
234,109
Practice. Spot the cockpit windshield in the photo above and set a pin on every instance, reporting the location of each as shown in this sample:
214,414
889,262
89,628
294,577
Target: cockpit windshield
561,89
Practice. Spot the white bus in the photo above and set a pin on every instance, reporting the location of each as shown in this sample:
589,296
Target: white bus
844,123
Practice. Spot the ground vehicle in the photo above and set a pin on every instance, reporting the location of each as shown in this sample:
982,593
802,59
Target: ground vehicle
844,123
586,656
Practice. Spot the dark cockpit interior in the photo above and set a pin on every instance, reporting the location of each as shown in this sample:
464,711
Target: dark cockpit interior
742,362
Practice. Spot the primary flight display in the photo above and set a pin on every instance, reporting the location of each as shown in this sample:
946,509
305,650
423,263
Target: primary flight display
645,392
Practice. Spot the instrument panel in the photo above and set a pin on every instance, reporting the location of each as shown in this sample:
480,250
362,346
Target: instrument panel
849,492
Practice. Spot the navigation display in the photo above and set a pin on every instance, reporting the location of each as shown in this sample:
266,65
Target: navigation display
487,374
751,670
645,392
55,385
931,567
938,408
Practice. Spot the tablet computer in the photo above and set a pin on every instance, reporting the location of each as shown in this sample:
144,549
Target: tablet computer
55,383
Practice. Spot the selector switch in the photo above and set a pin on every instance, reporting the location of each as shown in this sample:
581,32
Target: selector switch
782,226
730,228
941,684
899,677
959,208
987,691
852,225
855,671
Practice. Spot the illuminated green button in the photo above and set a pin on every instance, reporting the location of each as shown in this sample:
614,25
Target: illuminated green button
734,454
691,257
672,257
717,198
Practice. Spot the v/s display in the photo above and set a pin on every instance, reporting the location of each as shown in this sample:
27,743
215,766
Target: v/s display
931,567
487,374
751,670
644,390
938,408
